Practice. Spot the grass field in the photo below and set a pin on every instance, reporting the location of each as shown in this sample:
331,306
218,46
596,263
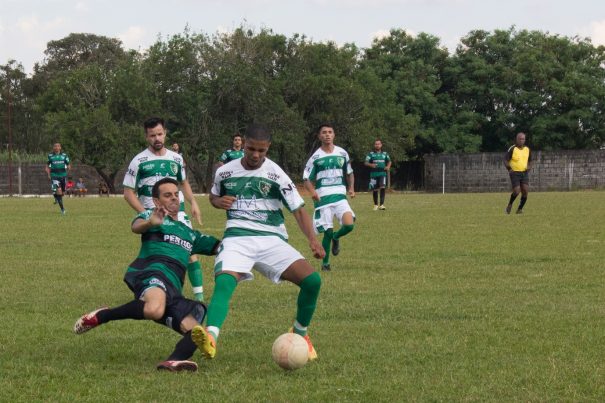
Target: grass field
439,298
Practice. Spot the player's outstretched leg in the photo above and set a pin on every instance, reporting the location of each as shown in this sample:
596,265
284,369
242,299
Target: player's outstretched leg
88,321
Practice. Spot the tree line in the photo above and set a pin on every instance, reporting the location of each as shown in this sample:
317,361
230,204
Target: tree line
92,95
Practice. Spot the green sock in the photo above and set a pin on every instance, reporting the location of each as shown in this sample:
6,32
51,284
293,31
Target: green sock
307,300
344,230
327,244
224,286
196,277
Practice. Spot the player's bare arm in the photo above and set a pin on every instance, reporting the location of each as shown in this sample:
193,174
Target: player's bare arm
132,200
370,164
195,209
306,226
351,183
311,189
140,225
222,202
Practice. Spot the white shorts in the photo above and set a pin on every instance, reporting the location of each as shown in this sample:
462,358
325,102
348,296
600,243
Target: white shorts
323,218
269,255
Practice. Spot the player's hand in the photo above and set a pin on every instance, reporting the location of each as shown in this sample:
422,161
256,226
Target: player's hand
317,249
196,213
351,193
157,217
315,196
387,168
225,202
199,296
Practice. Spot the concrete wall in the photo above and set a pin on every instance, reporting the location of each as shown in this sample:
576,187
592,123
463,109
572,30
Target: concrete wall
485,172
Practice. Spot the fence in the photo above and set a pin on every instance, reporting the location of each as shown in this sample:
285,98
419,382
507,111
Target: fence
485,172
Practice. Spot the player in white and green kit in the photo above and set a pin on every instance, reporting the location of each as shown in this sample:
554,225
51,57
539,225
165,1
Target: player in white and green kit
253,190
148,167
379,163
328,177
57,167
157,275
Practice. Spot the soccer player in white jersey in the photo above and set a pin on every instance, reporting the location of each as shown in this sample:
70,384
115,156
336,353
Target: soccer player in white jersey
148,167
328,177
252,190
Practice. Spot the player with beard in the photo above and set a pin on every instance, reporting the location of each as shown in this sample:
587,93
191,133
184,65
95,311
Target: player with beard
148,167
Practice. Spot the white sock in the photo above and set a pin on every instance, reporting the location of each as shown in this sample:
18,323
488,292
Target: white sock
214,331
300,329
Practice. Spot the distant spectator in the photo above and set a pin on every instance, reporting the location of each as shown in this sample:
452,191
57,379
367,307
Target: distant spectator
103,189
81,188
69,187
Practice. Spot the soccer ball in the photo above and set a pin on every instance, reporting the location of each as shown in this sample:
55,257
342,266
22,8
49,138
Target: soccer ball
290,351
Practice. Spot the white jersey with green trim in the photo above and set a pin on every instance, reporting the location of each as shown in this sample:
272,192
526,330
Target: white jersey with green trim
146,169
260,196
328,173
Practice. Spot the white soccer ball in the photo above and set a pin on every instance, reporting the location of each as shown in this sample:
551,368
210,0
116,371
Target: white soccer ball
290,351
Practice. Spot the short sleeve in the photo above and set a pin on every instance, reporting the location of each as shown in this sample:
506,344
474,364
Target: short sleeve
130,178
204,244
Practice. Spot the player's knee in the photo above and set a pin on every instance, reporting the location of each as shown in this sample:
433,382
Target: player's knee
154,310
311,284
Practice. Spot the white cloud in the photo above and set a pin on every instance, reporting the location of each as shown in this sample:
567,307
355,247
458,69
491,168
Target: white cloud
28,24
380,34
82,6
596,32
133,37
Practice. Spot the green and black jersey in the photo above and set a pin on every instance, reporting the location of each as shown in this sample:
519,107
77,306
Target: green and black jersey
58,163
167,248
231,155
381,159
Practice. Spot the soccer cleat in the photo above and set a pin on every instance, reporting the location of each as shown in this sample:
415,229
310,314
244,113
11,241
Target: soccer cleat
335,246
63,212
382,207
509,208
204,341
326,267
519,211
375,208
177,366
87,321
312,352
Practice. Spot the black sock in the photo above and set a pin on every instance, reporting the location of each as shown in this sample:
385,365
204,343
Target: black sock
513,196
131,310
382,192
522,202
184,349
60,201
375,196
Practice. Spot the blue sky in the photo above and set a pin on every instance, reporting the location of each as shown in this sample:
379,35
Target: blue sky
27,25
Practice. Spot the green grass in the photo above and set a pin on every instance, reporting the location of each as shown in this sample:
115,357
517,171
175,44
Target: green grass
439,298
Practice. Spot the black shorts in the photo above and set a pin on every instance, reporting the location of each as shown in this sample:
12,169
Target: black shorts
177,306
58,182
517,178
378,182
